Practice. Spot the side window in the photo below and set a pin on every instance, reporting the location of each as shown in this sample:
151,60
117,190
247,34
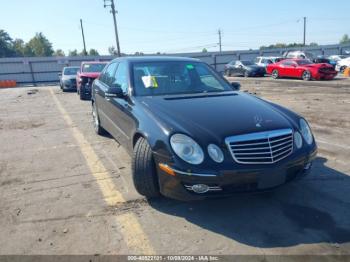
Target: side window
108,76
121,77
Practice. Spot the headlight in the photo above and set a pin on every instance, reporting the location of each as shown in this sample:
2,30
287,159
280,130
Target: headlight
298,140
306,131
187,149
215,153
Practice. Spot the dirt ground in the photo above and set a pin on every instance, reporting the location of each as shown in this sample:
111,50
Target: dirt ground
64,190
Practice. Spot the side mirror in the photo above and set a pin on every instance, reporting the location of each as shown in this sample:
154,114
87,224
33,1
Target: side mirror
236,86
114,92
59,74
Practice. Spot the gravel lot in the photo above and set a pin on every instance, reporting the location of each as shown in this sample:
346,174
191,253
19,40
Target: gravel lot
64,190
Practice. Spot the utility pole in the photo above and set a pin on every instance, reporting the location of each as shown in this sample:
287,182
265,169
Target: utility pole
220,43
82,33
114,12
304,42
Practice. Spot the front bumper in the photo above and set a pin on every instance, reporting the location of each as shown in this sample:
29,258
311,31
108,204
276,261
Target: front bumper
86,89
70,85
325,76
245,178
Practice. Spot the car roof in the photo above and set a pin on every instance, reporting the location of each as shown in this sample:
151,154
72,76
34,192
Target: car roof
71,67
135,59
93,62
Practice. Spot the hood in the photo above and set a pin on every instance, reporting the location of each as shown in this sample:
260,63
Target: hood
214,116
90,75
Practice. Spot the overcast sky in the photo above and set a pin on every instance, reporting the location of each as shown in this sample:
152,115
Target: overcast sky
176,25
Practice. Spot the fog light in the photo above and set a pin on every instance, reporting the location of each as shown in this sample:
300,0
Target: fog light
200,188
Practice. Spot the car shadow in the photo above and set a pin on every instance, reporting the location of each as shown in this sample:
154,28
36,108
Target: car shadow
315,209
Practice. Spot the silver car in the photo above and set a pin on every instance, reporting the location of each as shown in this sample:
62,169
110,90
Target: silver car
68,78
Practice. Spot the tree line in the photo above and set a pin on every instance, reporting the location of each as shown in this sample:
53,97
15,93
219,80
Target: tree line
344,40
39,45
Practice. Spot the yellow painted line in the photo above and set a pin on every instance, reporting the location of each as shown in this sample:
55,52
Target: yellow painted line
133,234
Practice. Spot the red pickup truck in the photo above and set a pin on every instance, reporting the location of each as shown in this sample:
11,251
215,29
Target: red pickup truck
88,72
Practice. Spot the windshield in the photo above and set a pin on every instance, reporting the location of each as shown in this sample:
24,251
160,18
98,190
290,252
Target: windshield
170,78
93,68
304,62
247,63
69,71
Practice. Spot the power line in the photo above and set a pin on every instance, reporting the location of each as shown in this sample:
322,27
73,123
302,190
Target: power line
114,12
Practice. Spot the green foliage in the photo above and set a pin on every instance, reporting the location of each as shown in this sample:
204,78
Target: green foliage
283,45
73,52
6,48
59,52
18,47
40,45
204,50
93,52
112,50
345,39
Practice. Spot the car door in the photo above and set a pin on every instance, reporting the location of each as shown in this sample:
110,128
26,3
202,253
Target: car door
100,87
286,69
120,109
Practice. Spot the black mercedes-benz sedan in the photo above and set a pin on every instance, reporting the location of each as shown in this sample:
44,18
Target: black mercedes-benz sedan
192,134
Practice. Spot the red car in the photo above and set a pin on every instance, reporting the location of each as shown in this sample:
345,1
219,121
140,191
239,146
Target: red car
301,68
89,71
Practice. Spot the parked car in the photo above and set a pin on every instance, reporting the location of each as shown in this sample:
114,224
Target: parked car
343,64
324,60
89,71
264,61
193,135
301,68
298,55
244,68
68,78
337,57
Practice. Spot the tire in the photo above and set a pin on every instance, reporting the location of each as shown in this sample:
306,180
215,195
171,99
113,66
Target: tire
96,122
144,172
306,76
275,74
82,95
228,73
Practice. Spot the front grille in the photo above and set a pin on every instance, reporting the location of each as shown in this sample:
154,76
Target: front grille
326,70
261,148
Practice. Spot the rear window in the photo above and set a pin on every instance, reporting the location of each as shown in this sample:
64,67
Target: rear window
70,71
93,68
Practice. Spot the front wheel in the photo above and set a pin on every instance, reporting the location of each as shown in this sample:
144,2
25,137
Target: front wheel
144,172
275,74
306,76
